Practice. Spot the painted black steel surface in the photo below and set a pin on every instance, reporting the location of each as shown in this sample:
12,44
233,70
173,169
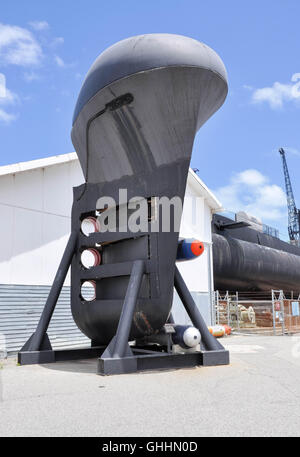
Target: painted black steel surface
251,235
143,53
134,126
241,265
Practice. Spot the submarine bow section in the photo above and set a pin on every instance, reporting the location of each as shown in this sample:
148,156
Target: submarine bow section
134,125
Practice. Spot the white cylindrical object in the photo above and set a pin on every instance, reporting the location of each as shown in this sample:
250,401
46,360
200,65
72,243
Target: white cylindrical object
191,337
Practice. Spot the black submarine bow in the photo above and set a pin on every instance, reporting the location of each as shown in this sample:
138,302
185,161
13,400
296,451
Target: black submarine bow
137,114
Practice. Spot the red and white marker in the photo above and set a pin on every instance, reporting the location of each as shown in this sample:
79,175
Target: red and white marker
90,258
90,225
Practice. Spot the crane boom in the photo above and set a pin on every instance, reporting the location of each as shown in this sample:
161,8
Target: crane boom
293,212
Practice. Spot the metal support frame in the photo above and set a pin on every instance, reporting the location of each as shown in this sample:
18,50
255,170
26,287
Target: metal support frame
118,357
208,341
273,313
228,307
237,310
278,296
217,307
218,298
39,340
281,297
126,317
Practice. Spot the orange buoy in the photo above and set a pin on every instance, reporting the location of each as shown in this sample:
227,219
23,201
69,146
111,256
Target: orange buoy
197,248
227,329
189,248
217,330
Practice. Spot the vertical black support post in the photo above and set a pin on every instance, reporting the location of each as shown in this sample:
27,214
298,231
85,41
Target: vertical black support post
124,326
209,341
37,338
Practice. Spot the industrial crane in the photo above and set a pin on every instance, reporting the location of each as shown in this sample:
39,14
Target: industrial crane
293,212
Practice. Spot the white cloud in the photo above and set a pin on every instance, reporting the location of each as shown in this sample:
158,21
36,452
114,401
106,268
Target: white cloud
293,151
252,192
10,98
246,86
59,61
62,64
31,76
7,118
2,85
7,97
250,177
18,46
279,93
39,25
56,41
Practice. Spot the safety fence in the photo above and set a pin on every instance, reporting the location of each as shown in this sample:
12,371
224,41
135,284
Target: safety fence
274,313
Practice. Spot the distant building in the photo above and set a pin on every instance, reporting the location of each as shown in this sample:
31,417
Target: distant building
35,201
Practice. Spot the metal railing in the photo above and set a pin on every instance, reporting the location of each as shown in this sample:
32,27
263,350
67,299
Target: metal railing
271,313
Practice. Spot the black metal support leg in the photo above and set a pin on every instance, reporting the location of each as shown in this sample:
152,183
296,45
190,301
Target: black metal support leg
209,342
118,357
39,339
126,317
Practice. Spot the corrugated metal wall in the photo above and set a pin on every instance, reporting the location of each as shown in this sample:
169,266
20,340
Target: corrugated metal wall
22,305
20,309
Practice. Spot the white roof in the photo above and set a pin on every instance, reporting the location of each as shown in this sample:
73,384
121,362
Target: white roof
38,163
193,179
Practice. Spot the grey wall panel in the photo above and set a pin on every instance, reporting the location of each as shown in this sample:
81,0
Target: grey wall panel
20,309
201,299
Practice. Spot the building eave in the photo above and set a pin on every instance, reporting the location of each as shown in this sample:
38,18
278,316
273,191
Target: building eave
38,163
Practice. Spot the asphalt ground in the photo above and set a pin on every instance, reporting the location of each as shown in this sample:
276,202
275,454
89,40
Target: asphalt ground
258,394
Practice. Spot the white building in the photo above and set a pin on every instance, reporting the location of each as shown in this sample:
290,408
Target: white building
35,201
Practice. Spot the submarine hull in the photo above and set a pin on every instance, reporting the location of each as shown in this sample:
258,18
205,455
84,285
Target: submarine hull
241,265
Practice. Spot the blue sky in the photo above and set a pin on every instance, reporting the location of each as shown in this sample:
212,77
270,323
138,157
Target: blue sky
47,47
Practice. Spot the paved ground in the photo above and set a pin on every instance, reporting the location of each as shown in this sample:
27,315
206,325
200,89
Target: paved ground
257,395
